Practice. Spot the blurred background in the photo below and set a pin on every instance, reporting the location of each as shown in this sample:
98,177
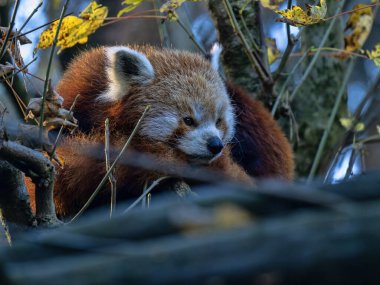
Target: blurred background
348,153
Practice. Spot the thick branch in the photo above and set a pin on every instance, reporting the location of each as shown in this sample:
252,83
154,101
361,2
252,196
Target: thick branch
42,172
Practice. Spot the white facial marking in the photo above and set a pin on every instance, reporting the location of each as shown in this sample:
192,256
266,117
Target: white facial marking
194,143
215,52
160,126
230,122
119,83
198,112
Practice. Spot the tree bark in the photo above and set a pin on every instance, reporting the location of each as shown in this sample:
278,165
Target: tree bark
14,200
41,170
234,59
300,242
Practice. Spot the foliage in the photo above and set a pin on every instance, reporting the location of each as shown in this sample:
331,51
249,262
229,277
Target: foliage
168,8
360,24
375,54
305,118
75,29
131,5
298,17
273,52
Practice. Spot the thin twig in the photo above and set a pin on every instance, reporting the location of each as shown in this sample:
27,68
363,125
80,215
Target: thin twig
31,15
145,193
20,103
5,227
101,184
264,75
285,56
143,201
370,92
161,25
133,17
339,51
260,26
52,154
10,28
35,76
316,56
245,27
289,48
49,67
351,163
191,37
39,27
19,70
286,83
351,11
111,177
330,122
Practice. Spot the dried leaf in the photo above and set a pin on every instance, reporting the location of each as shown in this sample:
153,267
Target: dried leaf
132,4
375,54
360,23
22,39
298,17
75,30
5,69
14,47
54,115
271,4
272,50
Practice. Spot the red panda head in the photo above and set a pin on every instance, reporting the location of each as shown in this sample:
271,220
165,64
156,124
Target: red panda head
190,109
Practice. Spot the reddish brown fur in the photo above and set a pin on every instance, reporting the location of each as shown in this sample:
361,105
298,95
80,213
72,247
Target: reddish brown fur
261,148
266,151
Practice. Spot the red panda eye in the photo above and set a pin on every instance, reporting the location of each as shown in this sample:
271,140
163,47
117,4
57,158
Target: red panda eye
218,121
189,121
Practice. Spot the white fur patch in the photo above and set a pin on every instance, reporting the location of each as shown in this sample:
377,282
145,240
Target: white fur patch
119,83
215,52
160,126
230,121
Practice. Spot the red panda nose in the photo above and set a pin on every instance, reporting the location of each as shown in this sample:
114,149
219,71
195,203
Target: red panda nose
214,145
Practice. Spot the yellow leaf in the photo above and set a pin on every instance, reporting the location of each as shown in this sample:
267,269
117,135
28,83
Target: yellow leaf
375,54
132,4
348,124
272,50
73,29
360,23
271,4
298,17
359,127
171,5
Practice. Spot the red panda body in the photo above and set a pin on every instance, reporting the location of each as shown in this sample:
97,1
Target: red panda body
191,121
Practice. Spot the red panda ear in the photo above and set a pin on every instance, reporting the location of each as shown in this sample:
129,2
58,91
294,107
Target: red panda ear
215,53
127,67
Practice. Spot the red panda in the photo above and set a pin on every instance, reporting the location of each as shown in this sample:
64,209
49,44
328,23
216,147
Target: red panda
194,119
